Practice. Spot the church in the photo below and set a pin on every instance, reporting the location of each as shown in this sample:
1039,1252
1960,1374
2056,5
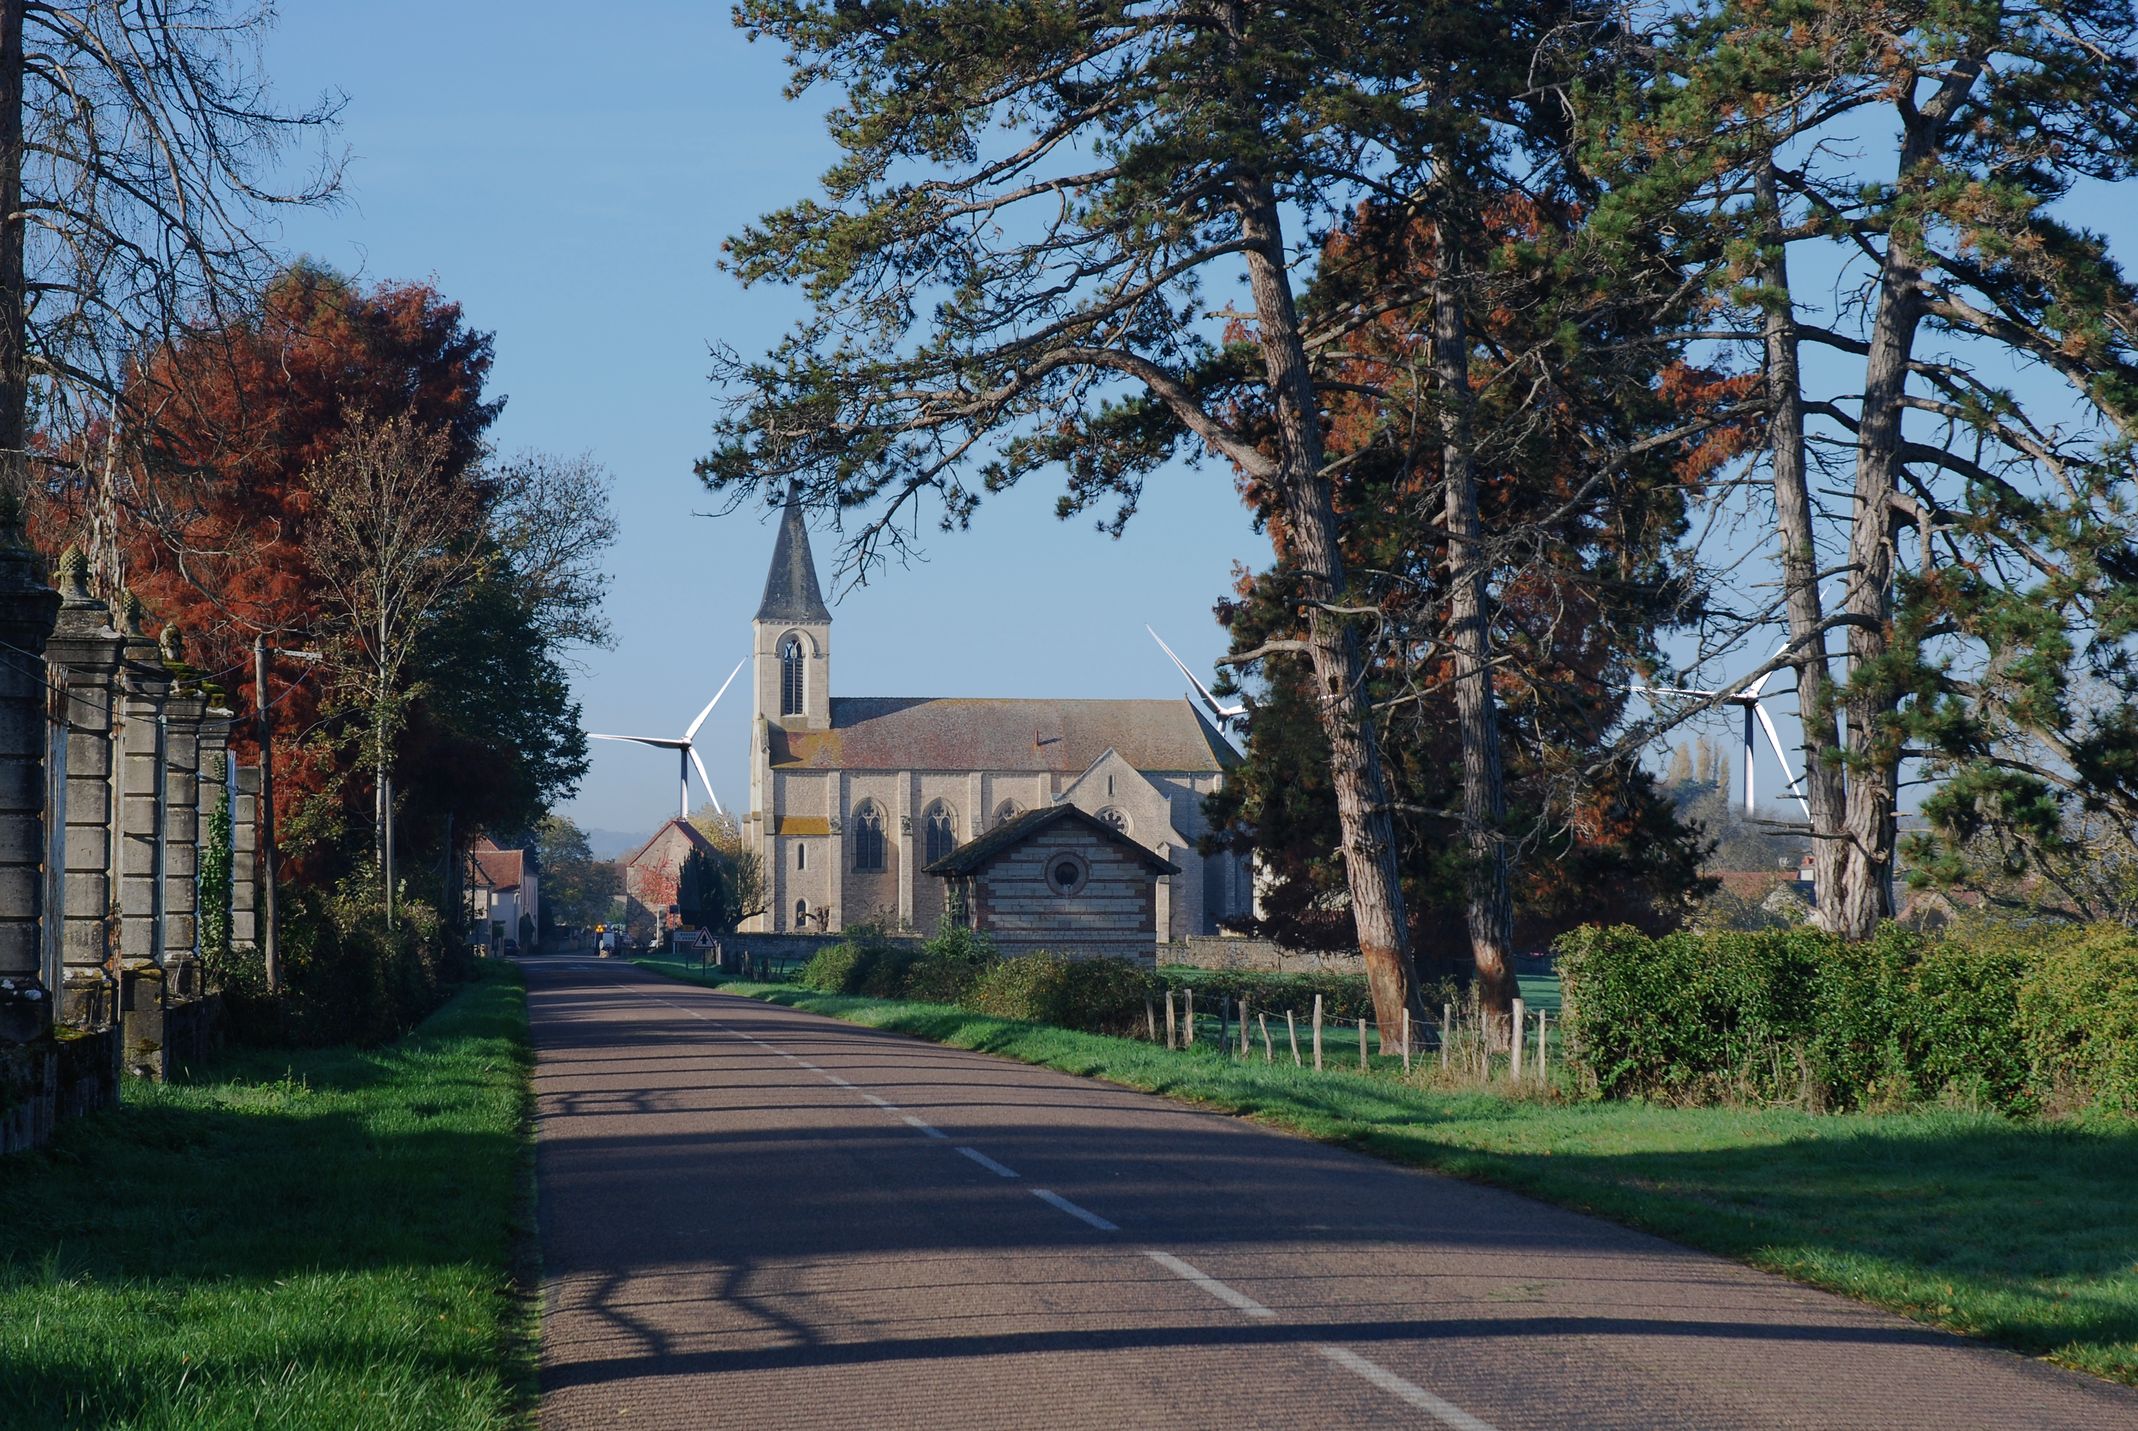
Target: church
851,797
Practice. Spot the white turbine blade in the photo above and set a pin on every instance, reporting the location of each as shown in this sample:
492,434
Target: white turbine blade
692,733
668,742
1670,691
707,781
1200,689
1774,738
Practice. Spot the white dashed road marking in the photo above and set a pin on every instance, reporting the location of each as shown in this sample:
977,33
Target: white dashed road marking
933,1132
1447,1413
989,1163
1231,1296
1056,1200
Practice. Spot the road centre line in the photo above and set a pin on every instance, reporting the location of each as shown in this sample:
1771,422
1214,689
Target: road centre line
1056,1200
1231,1296
1445,1412
989,1163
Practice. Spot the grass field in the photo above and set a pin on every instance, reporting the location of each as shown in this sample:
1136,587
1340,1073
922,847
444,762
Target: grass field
314,1238
2022,1233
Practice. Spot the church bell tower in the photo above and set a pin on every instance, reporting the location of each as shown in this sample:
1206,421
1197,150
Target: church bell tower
792,633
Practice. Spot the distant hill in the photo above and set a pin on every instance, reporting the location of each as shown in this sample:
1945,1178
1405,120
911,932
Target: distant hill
614,844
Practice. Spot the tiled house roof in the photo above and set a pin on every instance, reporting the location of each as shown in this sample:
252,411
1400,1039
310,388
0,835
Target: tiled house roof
493,868
969,856
951,733
691,834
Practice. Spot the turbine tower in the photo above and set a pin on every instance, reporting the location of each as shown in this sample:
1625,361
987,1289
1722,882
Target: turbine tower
685,748
1755,713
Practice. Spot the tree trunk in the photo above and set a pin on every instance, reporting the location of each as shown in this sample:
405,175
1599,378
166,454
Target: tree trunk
1309,511
14,297
1489,909
1824,785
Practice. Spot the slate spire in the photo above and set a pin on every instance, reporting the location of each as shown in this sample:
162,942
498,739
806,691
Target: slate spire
791,590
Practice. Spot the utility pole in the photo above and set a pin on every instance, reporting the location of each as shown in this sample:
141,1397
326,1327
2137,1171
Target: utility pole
270,931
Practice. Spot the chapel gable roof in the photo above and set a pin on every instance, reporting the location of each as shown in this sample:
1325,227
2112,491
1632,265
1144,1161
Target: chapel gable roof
954,733
971,855
692,835
791,590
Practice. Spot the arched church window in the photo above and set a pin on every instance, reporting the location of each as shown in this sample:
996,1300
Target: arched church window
1007,811
868,837
942,831
790,676
801,914
1116,817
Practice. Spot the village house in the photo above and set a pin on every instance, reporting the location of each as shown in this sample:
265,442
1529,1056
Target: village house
653,876
851,797
503,885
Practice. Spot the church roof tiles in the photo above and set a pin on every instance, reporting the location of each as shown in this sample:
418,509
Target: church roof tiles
954,733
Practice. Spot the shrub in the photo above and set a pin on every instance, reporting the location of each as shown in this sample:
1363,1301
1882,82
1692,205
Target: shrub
349,974
867,961
2016,1020
949,965
1095,995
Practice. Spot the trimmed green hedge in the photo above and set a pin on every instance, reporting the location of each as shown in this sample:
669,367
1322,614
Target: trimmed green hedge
2019,1021
1343,996
961,967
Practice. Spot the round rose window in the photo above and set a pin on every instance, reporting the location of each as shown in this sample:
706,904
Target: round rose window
1066,873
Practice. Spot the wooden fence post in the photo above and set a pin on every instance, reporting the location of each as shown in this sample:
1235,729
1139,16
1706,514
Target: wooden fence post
1406,1039
1172,1031
1150,1017
1291,1031
1362,1045
1447,1021
1224,1023
1542,1076
1269,1050
1521,1027
1317,1033
1245,1047
1187,1009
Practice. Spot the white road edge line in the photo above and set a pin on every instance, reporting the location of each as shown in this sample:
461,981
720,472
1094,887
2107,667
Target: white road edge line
929,1129
1056,1200
989,1163
1445,1412
1232,1297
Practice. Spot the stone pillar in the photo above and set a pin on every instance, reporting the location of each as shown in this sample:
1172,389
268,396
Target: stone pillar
87,647
144,685
27,610
245,859
183,711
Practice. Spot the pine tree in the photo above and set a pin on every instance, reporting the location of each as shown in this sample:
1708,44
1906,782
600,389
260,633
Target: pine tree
1984,557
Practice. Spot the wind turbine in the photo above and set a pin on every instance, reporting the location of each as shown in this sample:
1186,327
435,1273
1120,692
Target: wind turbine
685,748
1755,712
1225,715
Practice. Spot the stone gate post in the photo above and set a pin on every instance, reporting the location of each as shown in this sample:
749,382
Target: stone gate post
245,859
27,610
87,646
145,684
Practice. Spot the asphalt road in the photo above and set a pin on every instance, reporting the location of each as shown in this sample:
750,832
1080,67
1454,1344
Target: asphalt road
757,1217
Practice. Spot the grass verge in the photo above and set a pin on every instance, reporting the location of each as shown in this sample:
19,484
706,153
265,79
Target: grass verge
2017,1232
295,1238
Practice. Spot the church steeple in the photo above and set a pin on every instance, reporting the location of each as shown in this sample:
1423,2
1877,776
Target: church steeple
791,590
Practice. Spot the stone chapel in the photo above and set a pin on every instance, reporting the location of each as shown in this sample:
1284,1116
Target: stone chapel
850,796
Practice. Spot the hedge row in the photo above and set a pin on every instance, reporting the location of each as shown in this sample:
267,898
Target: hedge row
961,967
1343,996
2019,1021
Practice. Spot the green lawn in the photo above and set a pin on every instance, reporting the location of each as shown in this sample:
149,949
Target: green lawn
317,1238
2022,1233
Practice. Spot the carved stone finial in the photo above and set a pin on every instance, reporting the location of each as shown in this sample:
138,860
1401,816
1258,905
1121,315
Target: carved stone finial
130,614
73,574
172,642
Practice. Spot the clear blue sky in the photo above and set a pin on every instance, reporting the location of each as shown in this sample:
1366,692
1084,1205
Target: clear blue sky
567,174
